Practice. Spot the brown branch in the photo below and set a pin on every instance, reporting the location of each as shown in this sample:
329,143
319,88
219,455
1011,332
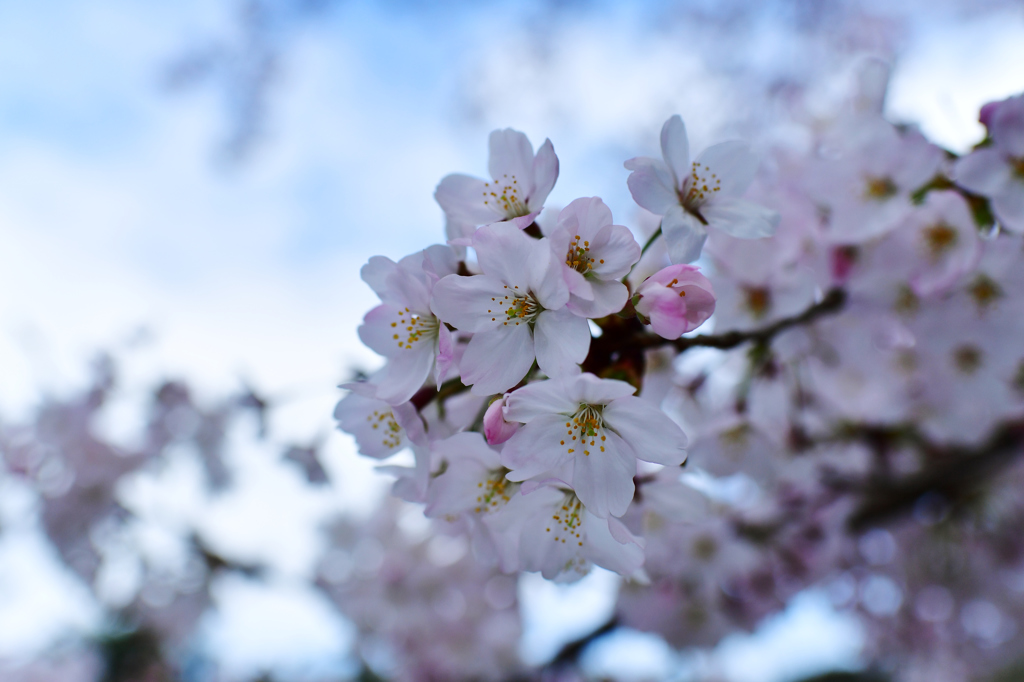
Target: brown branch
832,303
626,339
422,397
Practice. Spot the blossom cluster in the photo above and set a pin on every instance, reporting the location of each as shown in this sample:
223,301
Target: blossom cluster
537,463
858,302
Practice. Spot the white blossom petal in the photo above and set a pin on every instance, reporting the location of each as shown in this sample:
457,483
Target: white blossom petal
675,148
511,154
405,373
540,398
610,545
653,436
546,281
614,250
503,251
733,164
983,171
740,218
603,475
561,340
537,448
608,298
461,198
545,173
651,184
684,235
469,303
590,390
1009,207
495,361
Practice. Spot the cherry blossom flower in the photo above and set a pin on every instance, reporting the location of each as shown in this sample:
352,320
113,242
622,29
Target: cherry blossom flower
379,428
471,484
676,300
403,328
592,431
551,531
515,310
597,255
693,196
868,178
997,171
520,183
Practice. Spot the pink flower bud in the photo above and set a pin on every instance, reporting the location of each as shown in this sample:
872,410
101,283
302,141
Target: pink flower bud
496,429
676,299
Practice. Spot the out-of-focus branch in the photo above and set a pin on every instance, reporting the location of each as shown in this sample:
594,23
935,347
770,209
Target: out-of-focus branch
953,473
570,653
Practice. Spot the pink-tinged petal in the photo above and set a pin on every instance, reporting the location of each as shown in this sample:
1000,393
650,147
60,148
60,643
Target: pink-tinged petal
461,197
440,261
649,431
377,331
584,217
445,354
372,422
740,218
410,420
540,398
579,287
684,235
608,299
503,251
496,429
676,299
505,527
468,446
511,155
1009,207
537,448
610,545
496,361
545,173
940,270
675,148
733,164
1007,126
916,162
406,372
523,221
614,250
410,290
589,389
376,273
546,278
561,340
559,477
362,388
983,171
455,491
603,479
651,185
469,303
